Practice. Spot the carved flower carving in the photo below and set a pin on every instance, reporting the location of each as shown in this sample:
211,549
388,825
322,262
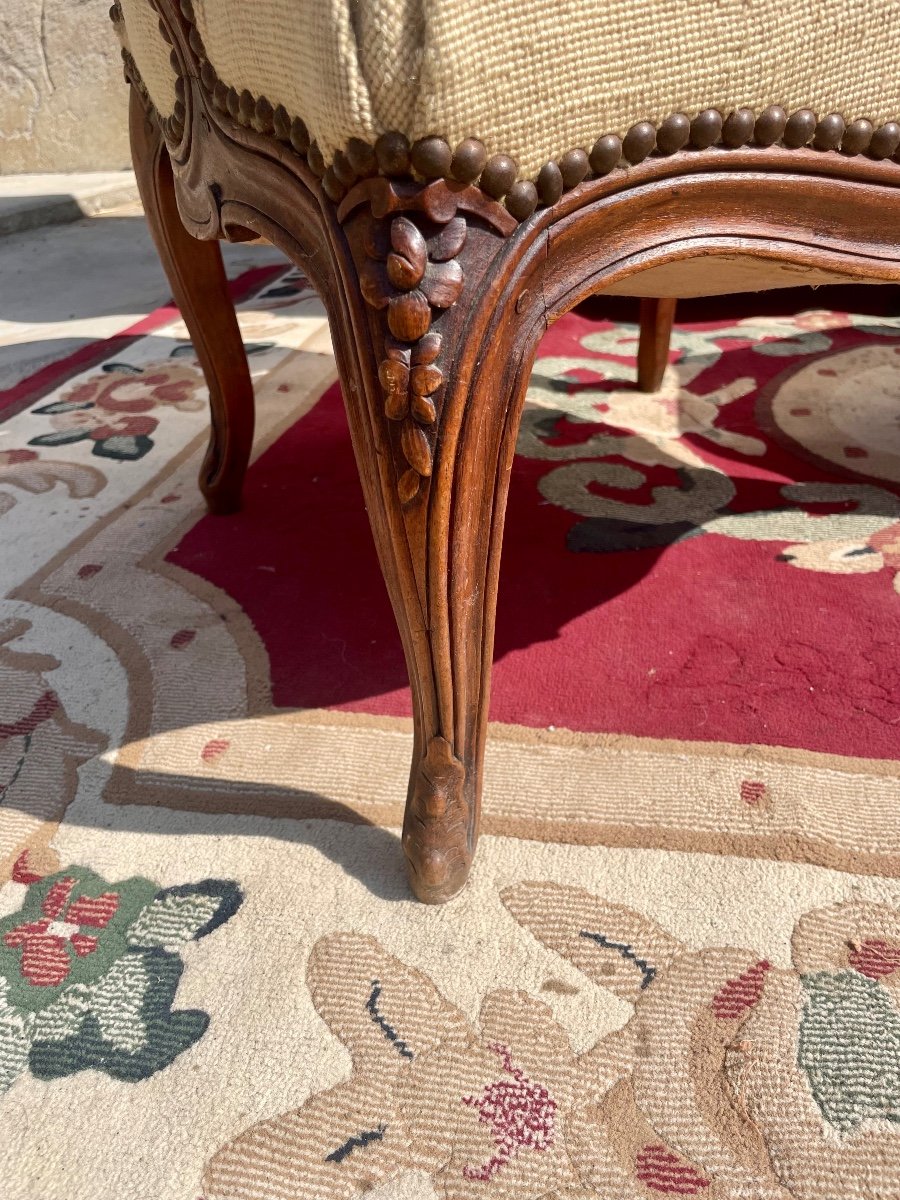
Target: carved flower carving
411,276
409,377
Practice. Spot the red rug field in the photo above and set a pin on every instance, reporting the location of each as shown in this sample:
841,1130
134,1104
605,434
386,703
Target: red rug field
717,562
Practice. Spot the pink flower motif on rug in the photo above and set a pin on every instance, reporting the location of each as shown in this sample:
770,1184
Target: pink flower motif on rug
733,1077
875,958
743,1072
520,1113
125,389
110,408
738,995
23,871
662,1171
13,458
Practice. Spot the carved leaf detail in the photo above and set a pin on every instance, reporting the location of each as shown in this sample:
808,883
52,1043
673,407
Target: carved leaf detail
427,348
409,316
404,274
377,241
442,283
394,377
416,448
408,486
448,243
397,351
374,285
407,239
423,409
439,201
410,277
383,197
425,380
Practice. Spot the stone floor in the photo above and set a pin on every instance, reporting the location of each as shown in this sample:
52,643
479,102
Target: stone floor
64,285
30,201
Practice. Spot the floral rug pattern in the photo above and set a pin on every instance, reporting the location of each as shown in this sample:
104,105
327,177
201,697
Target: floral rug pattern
26,470
676,968
777,1082
767,466
40,747
858,531
111,408
89,971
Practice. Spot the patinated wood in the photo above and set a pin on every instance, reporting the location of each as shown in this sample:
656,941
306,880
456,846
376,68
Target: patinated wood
657,318
197,278
438,289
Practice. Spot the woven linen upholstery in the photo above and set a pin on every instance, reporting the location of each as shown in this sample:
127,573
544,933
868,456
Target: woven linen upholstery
533,78
141,37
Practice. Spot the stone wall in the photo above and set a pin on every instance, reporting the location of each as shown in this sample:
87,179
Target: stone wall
63,101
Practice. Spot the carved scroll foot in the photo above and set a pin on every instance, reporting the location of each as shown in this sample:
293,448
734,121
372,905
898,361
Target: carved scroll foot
436,825
200,288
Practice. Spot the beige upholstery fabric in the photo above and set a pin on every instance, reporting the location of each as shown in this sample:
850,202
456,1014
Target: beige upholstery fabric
532,78
150,53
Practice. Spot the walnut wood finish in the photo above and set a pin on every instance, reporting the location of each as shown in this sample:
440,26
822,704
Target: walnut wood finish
197,278
437,295
657,318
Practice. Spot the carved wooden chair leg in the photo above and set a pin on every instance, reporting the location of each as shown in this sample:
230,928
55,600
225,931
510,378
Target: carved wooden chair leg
440,567
200,289
657,317
434,435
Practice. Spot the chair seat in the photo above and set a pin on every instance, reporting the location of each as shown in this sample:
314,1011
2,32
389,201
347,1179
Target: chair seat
533,78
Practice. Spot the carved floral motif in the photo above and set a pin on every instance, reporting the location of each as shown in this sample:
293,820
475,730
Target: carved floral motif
410,276
410,272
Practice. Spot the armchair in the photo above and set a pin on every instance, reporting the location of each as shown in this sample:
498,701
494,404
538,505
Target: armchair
453,176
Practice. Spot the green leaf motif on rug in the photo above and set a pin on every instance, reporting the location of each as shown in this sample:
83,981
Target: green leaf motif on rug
89,972
849,1048
130,1031
39,956
15,1041
178,915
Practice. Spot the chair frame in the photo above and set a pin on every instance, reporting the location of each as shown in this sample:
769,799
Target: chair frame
437,294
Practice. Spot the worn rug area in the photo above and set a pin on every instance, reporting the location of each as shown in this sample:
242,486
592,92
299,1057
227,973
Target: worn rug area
676,969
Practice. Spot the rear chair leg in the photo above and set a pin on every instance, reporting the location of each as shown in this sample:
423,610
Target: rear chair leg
657,317
200,289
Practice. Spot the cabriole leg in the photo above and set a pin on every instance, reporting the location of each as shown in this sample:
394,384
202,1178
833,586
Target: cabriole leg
434,437
200,289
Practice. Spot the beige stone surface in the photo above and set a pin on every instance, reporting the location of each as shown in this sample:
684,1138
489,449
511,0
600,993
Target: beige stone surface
63,101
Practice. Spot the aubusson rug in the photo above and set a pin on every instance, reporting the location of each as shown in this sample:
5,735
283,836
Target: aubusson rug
676,970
